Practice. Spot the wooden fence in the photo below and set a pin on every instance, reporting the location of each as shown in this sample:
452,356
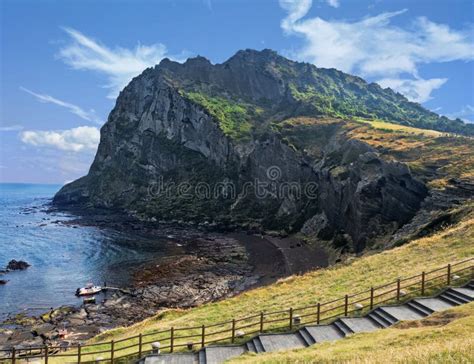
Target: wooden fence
238,330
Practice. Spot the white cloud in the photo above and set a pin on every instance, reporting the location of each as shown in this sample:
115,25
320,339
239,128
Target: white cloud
417,90
374,48
119,65
11,128
333,3
83,114
296,10
82,138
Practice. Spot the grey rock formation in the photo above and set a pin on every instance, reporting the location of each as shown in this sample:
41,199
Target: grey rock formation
17,265
164,156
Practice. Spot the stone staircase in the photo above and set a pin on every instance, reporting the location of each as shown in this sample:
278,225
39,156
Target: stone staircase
379,318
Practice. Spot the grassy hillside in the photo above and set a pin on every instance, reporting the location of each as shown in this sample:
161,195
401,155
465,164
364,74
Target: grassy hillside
432,156
277,85
445,337
403,129
449,245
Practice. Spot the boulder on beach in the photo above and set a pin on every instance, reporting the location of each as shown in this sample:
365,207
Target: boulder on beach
17,265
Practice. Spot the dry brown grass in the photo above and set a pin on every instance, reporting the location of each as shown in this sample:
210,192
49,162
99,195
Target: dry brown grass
432,156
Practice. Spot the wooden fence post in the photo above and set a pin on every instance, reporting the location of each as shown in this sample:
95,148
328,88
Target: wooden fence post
203,336
171,339
139,346
318,318
449,274
291,318
46,354
423,283
233,331
398,289
13,355
346,304
79,353
261,321
371,298
112,347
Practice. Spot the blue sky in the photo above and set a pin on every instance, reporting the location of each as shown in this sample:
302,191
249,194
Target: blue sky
63,62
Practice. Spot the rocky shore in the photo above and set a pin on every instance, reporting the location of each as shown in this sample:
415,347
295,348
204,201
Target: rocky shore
215,265
12,266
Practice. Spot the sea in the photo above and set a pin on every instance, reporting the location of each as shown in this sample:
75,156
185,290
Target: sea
62,257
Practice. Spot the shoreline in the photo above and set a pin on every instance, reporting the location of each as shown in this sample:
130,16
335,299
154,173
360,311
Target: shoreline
215,265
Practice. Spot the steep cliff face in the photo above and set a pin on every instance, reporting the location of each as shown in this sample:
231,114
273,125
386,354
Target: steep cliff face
215,143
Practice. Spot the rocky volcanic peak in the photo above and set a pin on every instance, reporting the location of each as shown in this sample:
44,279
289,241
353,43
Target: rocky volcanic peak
206,126
249,75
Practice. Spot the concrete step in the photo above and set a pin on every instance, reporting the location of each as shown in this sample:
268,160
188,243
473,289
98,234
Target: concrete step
470,285
403,312
322,333
386,316
188,358
360,324
342,327
456,296
275,342
464,292
258,345
422,310
250,346
452,301
378,319
308,339
219,354
432,304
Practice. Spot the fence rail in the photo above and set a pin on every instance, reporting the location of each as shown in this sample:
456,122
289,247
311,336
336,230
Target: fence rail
232,331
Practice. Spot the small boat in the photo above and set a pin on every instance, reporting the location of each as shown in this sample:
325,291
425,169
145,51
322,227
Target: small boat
88,290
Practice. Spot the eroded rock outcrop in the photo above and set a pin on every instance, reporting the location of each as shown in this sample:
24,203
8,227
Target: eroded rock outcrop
166,152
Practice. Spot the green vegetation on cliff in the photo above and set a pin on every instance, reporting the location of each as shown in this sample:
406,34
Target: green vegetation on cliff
251,82
336,94
234,118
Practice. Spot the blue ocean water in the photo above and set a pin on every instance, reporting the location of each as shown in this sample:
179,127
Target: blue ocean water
62,257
